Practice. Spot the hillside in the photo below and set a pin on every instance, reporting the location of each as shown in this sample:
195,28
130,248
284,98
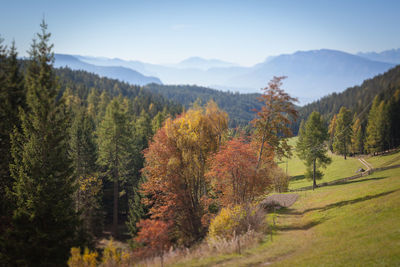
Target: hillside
357,98
341,225
339,168
240,107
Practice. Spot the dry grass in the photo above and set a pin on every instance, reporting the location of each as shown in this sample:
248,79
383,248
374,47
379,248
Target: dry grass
206,249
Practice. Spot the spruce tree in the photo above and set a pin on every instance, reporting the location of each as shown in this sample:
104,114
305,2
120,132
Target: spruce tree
44,220
343,132
311,145
83,153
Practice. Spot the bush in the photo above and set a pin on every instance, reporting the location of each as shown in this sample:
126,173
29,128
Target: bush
280,181
237,220
87,259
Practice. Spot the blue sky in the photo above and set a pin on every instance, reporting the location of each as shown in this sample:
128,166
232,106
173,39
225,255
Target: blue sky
244,32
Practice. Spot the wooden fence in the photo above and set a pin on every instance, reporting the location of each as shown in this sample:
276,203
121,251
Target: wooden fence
343,180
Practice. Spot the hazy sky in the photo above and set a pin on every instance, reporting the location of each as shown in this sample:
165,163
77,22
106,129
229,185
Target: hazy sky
244,32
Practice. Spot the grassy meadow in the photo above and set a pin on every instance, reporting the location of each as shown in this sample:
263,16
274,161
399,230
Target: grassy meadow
339,168
351,224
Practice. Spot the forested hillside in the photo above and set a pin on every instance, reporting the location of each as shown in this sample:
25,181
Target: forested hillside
71,155
240,107
358,98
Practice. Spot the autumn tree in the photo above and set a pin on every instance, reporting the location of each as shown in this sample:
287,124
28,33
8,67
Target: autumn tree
233,175
176,162
311,145
343,132
272,125
44,220
154,238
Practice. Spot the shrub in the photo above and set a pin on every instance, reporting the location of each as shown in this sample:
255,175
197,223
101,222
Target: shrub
87,259
280,181
237,220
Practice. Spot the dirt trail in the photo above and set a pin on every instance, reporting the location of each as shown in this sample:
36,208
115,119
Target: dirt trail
366,164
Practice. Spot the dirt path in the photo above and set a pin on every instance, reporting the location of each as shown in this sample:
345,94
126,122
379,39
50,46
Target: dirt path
366,164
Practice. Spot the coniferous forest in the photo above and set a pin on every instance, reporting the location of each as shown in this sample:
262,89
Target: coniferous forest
86,159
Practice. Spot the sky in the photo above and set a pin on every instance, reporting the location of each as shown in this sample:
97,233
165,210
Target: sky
243,32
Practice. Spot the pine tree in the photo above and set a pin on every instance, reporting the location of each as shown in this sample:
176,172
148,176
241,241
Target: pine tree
93,100
44,220
343,132
311,145
115,151
11,98
378,128
394,118
83,153
357,138
331,131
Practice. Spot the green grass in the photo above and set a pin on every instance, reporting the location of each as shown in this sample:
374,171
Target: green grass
351,224
339,168
380,161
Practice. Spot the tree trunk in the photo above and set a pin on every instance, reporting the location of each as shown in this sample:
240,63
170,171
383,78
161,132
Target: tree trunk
115,210
314,180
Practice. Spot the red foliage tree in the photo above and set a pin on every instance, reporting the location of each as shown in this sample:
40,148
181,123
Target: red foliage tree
154,236
233,173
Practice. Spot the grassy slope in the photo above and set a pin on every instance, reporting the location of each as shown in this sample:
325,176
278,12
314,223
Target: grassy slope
384,160
352,224
339,168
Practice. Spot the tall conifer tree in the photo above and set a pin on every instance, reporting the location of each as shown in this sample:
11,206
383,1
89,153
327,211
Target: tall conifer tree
343,132
115,151
44,220
311,145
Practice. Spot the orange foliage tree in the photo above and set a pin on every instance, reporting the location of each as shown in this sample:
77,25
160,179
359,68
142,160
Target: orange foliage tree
176,161
274,120
155,237
233,173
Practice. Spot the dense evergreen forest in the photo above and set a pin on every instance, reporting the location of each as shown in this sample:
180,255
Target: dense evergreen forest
240,107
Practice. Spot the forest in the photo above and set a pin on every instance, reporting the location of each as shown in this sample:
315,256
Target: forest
85,158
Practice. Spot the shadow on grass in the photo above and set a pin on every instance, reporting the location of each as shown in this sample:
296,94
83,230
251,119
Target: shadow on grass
357,181
295,227
341,203
297,177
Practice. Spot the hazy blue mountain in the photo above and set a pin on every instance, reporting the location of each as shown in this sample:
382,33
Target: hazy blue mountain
389,56
128,75
202,64
311,74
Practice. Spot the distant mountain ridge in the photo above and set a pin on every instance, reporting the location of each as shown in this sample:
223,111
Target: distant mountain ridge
311,74
388,56
115,72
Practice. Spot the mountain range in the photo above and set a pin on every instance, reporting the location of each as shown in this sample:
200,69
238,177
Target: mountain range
128,75
311,74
